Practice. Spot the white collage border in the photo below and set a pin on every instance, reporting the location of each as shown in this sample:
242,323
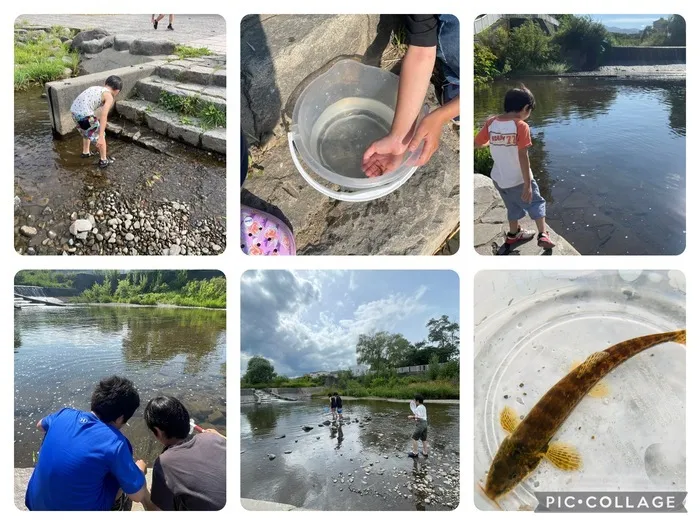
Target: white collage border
233,263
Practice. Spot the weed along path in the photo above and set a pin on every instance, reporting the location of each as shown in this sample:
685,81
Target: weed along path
165,192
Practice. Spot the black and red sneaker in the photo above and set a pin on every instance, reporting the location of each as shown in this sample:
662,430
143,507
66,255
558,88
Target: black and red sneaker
543,241
520,236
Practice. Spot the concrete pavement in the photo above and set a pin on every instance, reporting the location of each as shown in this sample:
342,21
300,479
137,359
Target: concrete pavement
192,30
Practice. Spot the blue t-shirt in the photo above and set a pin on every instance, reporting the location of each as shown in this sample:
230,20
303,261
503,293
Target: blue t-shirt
82,464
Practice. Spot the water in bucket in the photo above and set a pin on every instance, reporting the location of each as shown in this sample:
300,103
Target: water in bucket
345,130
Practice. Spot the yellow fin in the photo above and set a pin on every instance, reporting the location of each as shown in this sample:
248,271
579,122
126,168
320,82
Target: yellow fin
680,338
564,456
599,390
591,362
509,420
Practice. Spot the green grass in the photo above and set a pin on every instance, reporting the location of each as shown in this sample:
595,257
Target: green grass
429,390
191,52
483,162
40,60
193,106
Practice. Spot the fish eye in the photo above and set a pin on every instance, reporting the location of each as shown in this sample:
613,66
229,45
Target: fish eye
513,475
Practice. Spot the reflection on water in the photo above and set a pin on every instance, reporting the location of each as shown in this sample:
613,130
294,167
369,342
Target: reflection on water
361,465
65,351
609,156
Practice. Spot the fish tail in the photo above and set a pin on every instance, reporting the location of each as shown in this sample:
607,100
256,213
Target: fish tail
679,337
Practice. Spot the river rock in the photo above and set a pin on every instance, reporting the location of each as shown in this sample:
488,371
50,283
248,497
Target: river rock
129,237
123,42
152,47
287,451
80,228
271,457
282,436
216,418
28,231
327,422
175,249
86,36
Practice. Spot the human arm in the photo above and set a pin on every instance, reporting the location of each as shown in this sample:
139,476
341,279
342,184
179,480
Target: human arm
524,141
131,475
481,139
386,154
108,101
430,130
213,431
143,497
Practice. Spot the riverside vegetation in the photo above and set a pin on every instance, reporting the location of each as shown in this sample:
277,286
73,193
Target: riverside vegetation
579,44
384,353
43,56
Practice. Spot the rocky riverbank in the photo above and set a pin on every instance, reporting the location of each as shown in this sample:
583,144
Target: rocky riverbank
113,225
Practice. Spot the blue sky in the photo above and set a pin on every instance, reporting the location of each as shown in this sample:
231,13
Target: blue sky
628,21
306,321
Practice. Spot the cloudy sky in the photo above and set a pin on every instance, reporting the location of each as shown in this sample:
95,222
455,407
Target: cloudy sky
627,21
307,321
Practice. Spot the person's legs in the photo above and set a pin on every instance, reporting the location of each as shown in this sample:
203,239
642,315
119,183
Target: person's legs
170,21
86,147
538,213
415,447
512,200
448,55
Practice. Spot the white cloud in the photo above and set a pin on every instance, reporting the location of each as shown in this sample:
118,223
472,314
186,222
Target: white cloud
275,324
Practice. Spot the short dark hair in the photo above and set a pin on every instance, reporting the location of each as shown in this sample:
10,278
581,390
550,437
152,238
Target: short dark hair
169,415
114,82
519,98
114,397
418,398
335,393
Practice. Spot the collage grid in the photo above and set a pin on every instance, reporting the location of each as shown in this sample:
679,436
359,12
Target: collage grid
470,266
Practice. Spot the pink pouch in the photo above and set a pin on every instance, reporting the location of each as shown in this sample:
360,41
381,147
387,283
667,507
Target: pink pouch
265,234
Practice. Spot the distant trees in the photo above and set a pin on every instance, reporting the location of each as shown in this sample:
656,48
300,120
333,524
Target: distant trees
383,351
260,371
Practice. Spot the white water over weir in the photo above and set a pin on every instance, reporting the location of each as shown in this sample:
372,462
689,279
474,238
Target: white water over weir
34,296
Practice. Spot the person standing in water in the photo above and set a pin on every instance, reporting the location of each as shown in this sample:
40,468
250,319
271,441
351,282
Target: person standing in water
333,406
171,19
338,405
90,110
433,40
420,416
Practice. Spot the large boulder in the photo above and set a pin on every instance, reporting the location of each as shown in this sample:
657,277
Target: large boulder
152,47
86,36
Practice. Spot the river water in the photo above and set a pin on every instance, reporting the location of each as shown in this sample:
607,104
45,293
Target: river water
49,173
609,157
61,354
359,465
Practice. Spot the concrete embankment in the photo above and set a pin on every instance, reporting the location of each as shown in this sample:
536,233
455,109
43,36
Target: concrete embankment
256,504
62,93
491,225
22,476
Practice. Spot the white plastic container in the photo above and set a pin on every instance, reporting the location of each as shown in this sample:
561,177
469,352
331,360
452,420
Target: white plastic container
335,119
530,328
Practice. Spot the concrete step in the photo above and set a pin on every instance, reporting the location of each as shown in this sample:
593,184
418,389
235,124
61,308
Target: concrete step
184,71
167,123
150,89
278,52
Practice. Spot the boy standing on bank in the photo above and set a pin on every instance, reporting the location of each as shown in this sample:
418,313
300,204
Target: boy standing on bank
508,137
420,416
90,110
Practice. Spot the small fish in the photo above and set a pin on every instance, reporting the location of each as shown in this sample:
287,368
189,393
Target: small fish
529,440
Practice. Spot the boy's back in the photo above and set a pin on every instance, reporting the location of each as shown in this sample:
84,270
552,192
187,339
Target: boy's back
506,136
82,464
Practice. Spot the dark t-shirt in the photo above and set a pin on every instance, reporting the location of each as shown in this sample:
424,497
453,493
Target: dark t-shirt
191,475
422,30
338,402
333,404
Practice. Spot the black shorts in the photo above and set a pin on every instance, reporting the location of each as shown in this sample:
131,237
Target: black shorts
421,431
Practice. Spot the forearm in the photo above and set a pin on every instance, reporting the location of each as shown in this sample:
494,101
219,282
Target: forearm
525,168
416,70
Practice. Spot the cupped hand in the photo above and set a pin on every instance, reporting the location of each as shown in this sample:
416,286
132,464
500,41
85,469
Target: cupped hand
428,132
383,156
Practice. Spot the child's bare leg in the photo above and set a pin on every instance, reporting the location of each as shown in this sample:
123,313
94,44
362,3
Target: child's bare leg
415,446
160,17
171,18
86,146
425,448
541,226
514,226
102,148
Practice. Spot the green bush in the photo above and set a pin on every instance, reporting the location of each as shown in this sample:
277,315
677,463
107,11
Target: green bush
42,59
582,36
528,48
484,64
483,162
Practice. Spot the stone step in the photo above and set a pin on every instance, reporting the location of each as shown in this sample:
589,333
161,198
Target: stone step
184,129
150,89
184,71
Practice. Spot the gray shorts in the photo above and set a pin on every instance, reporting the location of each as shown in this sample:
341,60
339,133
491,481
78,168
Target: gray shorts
421,431
515,205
